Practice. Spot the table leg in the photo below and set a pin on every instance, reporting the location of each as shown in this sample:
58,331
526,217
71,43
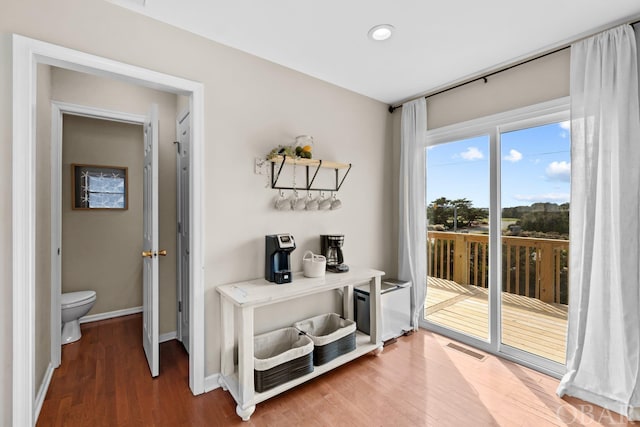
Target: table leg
245,363
375,313
347,302
227,337
246,413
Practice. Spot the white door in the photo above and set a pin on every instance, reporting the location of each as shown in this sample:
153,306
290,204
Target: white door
184,136
150,328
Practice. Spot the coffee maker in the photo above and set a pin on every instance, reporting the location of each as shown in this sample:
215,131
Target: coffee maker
331,248
277,267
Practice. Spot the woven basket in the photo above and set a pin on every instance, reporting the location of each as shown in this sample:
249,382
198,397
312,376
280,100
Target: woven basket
332,336
281,356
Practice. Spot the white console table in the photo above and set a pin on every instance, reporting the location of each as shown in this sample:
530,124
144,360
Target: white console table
243,297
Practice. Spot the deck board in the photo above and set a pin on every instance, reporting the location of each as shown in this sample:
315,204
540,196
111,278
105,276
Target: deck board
527,323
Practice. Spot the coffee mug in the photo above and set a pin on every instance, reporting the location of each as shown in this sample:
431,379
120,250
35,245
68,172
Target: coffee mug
311,204
282,203
324,202
335,203
297,202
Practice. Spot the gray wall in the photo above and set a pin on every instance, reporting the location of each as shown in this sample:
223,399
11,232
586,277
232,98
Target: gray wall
250,105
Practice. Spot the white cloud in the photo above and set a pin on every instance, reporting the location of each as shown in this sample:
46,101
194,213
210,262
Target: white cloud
547,197
472,153
559,171
513,156
566,129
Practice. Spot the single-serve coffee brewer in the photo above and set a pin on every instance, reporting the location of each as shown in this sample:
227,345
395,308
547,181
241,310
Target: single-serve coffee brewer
278,247
331,248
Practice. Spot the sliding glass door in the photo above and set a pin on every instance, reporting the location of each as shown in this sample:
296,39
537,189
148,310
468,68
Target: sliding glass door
535,191
497,210
458,236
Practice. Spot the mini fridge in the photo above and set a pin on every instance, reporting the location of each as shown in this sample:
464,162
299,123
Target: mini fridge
395,307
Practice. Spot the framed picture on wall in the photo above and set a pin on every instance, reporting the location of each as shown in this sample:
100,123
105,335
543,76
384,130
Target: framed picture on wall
99,187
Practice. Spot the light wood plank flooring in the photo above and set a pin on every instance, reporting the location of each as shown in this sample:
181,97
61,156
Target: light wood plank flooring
527,323
418,381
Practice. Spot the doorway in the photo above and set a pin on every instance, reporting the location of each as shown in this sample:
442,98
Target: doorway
27,54
102,247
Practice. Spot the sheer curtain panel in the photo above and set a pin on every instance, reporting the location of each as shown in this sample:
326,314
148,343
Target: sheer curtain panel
412,255
603,344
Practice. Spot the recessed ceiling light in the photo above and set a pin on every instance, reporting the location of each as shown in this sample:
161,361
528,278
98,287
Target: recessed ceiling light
381,32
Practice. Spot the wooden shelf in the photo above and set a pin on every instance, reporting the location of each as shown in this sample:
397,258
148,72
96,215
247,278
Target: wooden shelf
312,167
309,162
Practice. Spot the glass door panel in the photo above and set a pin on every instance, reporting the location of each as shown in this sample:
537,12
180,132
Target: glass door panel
458,236
535,190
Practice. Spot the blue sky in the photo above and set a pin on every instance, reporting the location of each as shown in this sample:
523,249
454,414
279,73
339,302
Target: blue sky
535,162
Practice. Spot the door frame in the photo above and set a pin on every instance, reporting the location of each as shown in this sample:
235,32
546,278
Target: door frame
58,110
27,53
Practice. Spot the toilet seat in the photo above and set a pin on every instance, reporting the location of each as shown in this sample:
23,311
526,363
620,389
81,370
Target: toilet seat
74,299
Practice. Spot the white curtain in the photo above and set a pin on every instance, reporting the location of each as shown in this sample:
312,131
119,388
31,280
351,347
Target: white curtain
603,347
412,248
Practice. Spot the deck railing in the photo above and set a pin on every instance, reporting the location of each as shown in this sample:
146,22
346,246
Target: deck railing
536,268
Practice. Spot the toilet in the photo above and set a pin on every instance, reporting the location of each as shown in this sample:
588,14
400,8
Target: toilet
73,306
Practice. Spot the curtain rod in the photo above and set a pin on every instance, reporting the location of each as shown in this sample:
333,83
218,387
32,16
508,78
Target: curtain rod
484,77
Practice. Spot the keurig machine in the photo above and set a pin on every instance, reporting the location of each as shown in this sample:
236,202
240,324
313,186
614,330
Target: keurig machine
278,247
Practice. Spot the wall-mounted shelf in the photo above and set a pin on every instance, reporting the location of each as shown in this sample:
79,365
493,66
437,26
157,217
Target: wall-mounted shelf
312,167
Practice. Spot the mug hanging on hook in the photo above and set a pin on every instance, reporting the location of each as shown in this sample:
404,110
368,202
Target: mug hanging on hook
282,203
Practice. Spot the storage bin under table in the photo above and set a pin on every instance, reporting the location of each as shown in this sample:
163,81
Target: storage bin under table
238,302
280,356
331,334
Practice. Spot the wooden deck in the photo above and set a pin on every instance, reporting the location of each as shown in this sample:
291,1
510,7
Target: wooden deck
528,323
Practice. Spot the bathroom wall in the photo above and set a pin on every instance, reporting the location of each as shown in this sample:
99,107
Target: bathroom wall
101,248
84,89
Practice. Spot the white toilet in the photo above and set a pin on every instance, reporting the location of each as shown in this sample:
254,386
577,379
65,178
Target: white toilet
74,305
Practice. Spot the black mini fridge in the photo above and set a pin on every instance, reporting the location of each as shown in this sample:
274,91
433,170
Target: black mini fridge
395,296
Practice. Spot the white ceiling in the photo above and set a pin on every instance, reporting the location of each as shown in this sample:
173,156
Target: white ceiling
435,43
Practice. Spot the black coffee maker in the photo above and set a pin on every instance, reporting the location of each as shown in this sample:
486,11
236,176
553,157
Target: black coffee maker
331,248
277,266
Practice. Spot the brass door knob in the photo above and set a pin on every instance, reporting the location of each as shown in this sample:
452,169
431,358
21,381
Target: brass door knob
147,254
162,252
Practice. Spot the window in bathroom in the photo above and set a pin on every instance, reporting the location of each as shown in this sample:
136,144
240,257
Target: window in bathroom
99,187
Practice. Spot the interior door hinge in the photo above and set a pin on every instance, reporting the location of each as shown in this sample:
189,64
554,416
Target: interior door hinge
180,306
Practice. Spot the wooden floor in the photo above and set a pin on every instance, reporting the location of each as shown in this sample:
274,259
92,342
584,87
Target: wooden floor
527,323
418,381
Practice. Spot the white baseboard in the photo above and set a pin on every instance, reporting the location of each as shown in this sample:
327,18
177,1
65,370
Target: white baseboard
110,314
167,337
42,392
211,382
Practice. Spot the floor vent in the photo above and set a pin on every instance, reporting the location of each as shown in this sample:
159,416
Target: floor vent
466,351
